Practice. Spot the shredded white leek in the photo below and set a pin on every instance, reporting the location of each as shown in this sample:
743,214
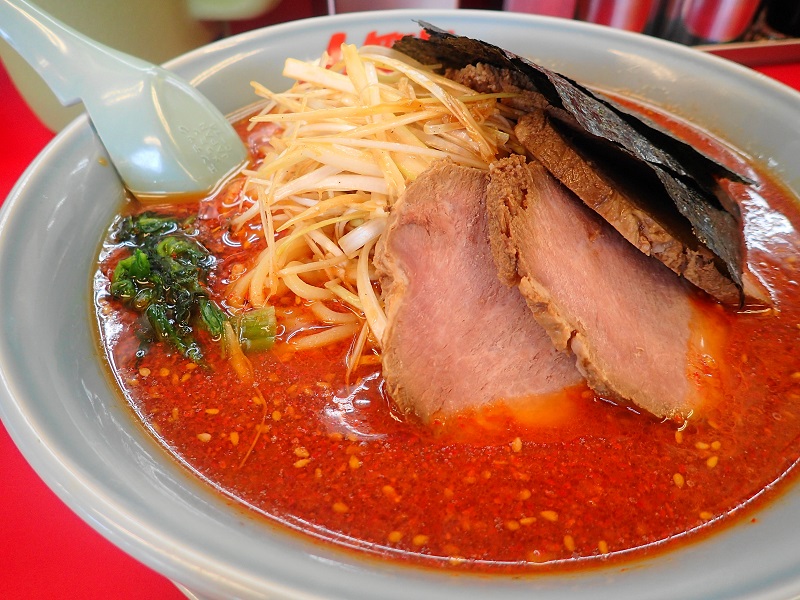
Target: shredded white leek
351,137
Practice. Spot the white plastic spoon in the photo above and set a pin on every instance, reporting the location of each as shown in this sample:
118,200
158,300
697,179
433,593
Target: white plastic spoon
163,136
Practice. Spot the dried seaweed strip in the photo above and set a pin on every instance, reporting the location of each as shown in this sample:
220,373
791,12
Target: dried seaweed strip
719,230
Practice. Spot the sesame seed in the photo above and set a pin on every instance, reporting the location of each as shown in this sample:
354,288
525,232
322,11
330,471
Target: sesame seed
678,480
486,474
144,372
702,446
451,549
256,400
299,464
796,375
524,494
340,507
163,372
512,525
516,445
276,415
191,366
527,521
420,540
394,536
602,546
679,437
569,543
354,463
712,461
212,411
716,445
318,473
204,437
706,516
186,377
549,515
301,452
234,437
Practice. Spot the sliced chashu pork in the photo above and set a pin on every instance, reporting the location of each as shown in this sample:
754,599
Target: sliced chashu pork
605,180
457,339
628,320
632,207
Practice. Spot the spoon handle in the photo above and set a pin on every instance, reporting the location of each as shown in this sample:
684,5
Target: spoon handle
58,53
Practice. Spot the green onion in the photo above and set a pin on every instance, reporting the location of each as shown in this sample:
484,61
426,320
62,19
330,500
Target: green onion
256,328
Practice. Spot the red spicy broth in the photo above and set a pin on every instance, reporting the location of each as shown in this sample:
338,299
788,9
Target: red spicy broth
334,460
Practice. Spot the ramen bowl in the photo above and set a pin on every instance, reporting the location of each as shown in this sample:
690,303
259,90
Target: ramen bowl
71,423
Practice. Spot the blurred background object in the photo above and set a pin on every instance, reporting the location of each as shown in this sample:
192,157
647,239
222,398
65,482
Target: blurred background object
227,10
631,15
783,17
345,6
684,21
707,21
550,8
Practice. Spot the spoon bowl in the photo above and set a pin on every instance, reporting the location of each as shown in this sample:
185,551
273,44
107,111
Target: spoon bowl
162,135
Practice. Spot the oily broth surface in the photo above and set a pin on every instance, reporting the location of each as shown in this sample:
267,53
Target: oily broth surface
333,459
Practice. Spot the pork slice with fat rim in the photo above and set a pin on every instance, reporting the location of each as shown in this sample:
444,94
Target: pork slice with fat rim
630,322
645,219
457,339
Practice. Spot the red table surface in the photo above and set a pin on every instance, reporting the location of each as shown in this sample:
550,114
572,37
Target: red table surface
46,551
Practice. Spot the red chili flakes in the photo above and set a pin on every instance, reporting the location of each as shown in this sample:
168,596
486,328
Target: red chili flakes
610,481
391,493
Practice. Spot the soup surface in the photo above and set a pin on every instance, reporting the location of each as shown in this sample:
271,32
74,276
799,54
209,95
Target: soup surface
325,452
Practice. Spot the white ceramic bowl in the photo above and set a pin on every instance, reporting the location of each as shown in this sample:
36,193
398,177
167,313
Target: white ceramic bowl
71,424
